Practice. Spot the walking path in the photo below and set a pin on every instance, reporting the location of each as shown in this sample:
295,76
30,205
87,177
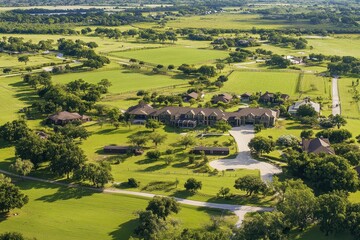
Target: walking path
335,97
242,136
239,210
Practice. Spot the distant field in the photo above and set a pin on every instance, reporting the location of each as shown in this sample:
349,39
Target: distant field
12,61
349,108
61,213
174,55
241,81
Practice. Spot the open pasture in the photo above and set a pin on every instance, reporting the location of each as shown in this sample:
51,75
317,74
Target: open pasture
315,86
349,108
174,55
55,212
11,61
243,81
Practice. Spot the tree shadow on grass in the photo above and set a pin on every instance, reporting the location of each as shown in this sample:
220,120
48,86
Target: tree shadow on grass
155,167
66,193
146,161
125,230
182,194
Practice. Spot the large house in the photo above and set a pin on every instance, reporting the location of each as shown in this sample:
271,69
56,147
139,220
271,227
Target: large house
273,98
223,97
317,145
186,117
293,108
65,117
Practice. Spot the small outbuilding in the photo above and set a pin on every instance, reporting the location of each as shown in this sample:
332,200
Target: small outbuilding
211,150
65,117
223,97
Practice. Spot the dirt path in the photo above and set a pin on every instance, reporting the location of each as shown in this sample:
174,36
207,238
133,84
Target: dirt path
335,97
242,136
239,210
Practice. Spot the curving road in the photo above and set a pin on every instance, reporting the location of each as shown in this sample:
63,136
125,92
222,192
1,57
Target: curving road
239,210
242,136
335,97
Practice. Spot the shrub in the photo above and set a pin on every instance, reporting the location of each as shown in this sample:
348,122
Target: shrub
133,183
153,155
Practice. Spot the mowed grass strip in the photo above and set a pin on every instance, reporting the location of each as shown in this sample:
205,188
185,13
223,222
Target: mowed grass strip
174,55
241,81
349,108
57,213
314,86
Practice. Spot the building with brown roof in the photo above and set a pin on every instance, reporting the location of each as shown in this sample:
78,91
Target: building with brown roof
223,97
187,117
193,95
65,117
245,97
317,145
273,97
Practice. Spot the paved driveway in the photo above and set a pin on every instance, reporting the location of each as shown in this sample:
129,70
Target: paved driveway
242,136
335,97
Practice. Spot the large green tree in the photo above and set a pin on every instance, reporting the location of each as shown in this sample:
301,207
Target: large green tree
261,145
10,196
250,184
163,206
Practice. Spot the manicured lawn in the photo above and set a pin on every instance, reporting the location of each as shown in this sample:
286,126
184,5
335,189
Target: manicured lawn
314,86
349,108
34,60
174,55
122,80
241,81
55,212
14,95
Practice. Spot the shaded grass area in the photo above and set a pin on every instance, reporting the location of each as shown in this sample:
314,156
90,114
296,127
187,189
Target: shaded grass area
55,212
349,108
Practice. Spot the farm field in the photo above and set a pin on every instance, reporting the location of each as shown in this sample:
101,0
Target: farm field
349,107
65,213
253,81
34,60
174,55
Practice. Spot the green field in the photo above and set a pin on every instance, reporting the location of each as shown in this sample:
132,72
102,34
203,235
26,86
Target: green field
174,55
349,107
64,213
34,60
242,81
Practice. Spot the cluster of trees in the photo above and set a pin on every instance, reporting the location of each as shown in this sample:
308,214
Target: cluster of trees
277,38
225,43
278,61
152,221
10,196
240,55
64,155
207,71
199,37
81,49
77,95
344,65
152,35
17,44
299,208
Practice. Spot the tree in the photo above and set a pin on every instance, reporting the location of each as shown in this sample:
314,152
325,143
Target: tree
267,225
138,140
157,138
72,131
306,134
133,183
153,155
331,212
23,167
13,131
208,71
97,174
149,225
353,219
7,70
11,236
24,59
222,125
287,141
32,147
335,136
298,206
219,84
10,196
162,207
65,157
220,66
187,140
278,61
192,185
152,124
250,184
261,145
171,67
224,191
306,111
338,120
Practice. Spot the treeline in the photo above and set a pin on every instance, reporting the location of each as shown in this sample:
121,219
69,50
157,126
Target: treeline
32,28
277,38
225,43
344,65
78,95
17,44
84,18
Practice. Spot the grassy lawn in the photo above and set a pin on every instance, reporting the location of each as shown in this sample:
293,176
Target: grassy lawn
174,55
315,233
241,81
34,60
147,171
55,212
349,108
